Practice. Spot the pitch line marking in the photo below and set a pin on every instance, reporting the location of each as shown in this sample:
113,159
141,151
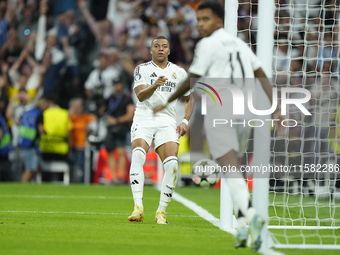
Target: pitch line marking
66,197
90,213
203,213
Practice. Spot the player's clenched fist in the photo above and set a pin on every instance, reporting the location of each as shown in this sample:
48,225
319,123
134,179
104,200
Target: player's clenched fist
160,81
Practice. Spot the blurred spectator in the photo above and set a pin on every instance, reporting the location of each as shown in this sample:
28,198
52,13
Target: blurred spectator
68,29
183,45
46,39
113,63
3,89
5,147
118,11
98,85
28,139
122,46
7,16
161,14
311,50
27,25
327,52
194,4
186,14
324,100
120,110
74,36
29,77
11,49
17,105
80,127
282,55
54,128
60,6
51,57
102,30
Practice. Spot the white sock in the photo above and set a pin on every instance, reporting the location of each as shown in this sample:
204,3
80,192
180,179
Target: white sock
241,223
137,174
239,192
251,212
169,181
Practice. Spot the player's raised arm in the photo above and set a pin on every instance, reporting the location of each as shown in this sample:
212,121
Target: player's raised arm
143,92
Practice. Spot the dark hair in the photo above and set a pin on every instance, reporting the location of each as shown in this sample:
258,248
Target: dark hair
159,37
22,90
51,98
214,6
118,80
11,25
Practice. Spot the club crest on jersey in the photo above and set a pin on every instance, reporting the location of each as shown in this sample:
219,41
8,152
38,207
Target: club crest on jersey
174,76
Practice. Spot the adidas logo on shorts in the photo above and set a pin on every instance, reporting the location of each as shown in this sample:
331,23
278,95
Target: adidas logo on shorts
153,75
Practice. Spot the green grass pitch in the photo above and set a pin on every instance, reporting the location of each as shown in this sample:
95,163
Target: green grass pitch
77,219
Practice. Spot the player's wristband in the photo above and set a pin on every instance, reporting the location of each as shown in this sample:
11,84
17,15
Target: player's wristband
185,121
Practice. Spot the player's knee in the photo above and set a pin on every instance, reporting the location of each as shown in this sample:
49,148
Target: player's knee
139,155
171,166
172,160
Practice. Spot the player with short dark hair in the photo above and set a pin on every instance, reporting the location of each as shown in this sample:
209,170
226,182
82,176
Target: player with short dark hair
222,55
155,81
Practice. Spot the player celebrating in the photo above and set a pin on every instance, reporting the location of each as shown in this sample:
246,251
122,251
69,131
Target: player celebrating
155,82
222,55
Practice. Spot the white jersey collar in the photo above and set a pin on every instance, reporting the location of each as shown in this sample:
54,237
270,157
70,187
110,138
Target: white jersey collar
158,66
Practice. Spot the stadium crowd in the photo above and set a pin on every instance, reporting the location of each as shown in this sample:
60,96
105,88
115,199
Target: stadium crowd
67,67
76,59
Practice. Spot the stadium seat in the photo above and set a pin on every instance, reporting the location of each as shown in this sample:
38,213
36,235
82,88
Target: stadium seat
55,167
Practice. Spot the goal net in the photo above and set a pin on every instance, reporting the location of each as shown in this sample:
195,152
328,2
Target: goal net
304,202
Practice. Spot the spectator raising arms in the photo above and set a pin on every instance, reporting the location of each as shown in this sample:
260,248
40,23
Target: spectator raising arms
102,30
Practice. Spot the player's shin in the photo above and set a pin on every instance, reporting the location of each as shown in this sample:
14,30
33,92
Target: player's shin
239,191
169,181
137,174
240,196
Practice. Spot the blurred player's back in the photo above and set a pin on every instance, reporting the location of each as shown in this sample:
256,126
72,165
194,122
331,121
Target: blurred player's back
222,55
227,59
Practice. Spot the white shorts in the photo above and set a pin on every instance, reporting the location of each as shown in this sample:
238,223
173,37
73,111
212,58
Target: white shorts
158,129
224,138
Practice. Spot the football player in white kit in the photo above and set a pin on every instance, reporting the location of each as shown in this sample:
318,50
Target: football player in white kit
155,82
222,55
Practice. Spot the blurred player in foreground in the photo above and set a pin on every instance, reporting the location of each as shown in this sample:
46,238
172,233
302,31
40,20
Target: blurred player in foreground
155,82
222,55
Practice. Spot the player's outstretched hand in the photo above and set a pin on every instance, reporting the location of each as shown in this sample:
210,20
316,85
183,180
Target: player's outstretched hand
280,130
181,130
160,81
